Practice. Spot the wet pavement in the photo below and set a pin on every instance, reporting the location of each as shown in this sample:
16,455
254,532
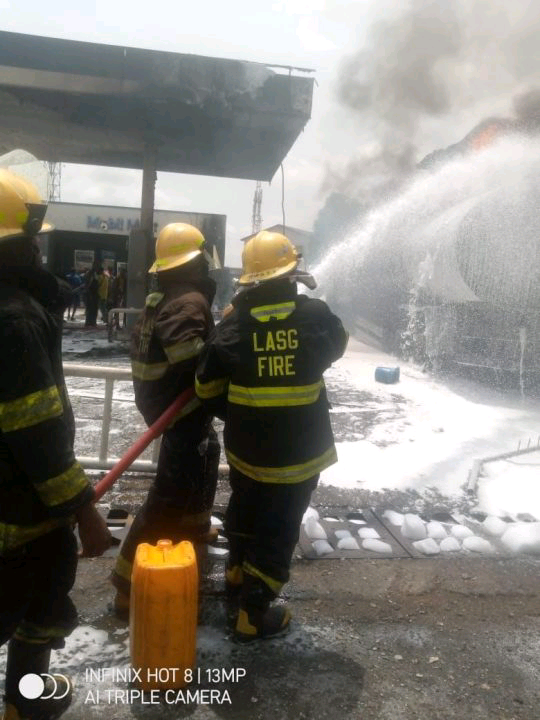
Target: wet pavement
372,638
381,639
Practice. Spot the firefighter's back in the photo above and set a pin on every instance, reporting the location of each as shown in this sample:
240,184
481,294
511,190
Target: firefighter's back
277,345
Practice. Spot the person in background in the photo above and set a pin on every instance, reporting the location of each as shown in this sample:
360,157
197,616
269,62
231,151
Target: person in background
261,372
44,491
91,294
166,343
103,293
120,295
111,292
75,282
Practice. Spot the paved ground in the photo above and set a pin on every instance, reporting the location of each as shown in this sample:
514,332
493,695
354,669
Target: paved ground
372,639
379,639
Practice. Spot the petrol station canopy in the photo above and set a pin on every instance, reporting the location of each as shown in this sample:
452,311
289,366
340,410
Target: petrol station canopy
80,102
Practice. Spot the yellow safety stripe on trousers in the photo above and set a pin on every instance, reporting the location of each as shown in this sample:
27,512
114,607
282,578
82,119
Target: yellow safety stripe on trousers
183,350
148,371
275,396
265,313
234,575
34,634
274,585
30,410
63,487
192,405
123,568
289,474
12,536
210,389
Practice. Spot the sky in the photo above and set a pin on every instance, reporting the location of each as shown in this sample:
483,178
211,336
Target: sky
341,40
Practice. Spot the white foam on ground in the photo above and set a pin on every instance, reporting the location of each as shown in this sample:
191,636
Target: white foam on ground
221,552
322,547
494,526
413,528
348,543
87,646
477,544
522,537
450,544
310,513
436,530
446,427
314,530
395,518
368,532
461,531
377,546
510,487
428,546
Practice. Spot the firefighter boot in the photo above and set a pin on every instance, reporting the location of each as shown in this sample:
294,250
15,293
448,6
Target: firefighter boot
256,619
52,700
233,586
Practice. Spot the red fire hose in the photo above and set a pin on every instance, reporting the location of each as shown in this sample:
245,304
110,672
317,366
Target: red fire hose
142,443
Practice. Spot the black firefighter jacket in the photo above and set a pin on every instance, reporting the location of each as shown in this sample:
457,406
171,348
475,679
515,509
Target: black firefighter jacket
41,484
261,372
165,347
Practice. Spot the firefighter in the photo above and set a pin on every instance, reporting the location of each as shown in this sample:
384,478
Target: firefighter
261,372
43,489
166,343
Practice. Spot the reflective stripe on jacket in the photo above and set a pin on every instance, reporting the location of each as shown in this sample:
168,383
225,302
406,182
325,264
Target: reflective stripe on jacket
261,372
41,483
165,347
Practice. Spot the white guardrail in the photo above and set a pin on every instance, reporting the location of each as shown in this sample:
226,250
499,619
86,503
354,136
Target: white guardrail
111,325
110,375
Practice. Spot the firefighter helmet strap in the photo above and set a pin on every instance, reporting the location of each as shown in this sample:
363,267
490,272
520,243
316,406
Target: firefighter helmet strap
34,221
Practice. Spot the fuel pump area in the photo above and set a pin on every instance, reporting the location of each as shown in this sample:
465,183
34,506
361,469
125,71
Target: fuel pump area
86,233
80,102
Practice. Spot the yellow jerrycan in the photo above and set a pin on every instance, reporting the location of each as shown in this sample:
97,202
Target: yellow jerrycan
163,614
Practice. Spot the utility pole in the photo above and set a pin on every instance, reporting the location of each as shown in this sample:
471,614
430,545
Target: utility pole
55,181
256,219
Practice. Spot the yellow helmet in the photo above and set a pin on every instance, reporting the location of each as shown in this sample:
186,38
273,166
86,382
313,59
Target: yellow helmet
267,255
21,208
177,244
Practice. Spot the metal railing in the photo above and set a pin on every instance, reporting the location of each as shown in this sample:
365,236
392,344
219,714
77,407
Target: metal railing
110,375
478,463
118,311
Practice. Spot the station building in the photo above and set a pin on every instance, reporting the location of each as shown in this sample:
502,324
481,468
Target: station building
85,233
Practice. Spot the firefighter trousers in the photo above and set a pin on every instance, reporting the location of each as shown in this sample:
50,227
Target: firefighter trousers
179,503
35,582
262,524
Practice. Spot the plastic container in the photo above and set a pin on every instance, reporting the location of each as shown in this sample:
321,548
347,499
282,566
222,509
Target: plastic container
163,614
387,375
